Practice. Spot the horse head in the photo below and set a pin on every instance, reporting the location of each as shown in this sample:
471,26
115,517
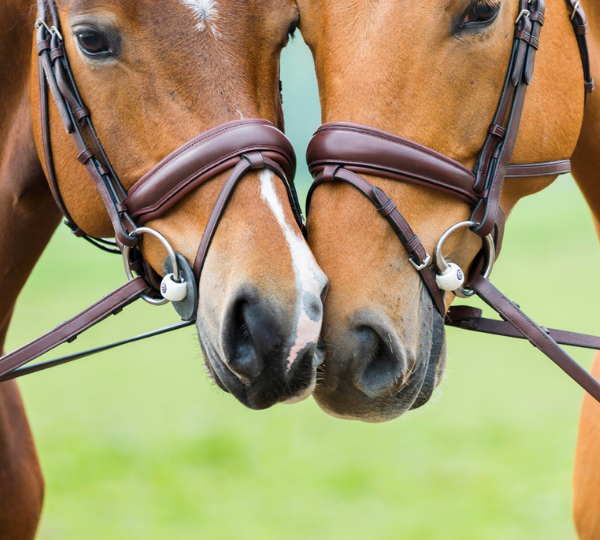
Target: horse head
432,73
155,75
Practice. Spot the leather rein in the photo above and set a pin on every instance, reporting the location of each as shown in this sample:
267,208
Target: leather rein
342,152
239,146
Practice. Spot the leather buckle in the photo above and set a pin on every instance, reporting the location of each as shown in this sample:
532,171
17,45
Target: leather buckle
423,265
575,8
52,30
42,22
524,13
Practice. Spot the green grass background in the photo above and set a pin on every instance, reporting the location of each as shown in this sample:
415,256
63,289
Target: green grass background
137,443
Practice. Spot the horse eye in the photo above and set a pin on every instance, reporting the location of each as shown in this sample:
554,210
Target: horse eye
93,43
483,11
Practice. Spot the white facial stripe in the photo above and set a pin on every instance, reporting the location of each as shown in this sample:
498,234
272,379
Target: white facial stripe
206,14
309,277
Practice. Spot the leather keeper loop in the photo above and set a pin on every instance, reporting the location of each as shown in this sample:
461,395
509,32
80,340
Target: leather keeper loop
538,17
85,156
534,42
380,197
497,130
256,160
523,35
75,229
103,170
412,245
528,38
329,173
589,86
42,46
387,209
81,113
56,53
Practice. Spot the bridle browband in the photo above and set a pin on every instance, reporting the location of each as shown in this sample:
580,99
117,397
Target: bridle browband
239,146
343,151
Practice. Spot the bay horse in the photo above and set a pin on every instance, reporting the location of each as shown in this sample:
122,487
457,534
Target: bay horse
432,73
154,76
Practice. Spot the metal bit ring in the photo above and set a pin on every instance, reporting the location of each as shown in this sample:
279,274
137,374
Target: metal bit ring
490,255
171,254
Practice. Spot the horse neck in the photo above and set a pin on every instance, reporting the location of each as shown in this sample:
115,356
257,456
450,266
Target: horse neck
27,212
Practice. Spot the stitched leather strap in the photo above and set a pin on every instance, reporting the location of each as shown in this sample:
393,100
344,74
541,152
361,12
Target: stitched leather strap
247,162
196,162
536,335
530,170
202,159
388,209
364,149
469,318
495,157
56,73
251,144
360,149
43,366
580,25
69,330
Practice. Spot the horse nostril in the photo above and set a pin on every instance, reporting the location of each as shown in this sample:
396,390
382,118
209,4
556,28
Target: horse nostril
324,292
247,331
385,367
264,355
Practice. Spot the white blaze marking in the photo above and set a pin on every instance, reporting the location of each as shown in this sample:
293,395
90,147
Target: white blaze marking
309,277
206,14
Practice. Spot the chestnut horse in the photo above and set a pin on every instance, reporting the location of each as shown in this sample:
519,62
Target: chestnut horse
155,74
433,72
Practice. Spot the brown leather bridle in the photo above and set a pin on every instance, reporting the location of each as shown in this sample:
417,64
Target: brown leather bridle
342,151
242,146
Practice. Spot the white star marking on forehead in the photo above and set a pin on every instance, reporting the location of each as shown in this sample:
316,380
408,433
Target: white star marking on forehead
206,13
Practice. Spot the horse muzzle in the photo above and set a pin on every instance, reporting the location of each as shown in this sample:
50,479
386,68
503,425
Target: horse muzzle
373,376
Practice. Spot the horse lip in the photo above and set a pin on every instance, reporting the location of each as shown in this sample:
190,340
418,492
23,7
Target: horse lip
435,365
242,390
319,357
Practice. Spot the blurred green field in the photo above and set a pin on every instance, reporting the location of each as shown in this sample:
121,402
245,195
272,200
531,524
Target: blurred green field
138,444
